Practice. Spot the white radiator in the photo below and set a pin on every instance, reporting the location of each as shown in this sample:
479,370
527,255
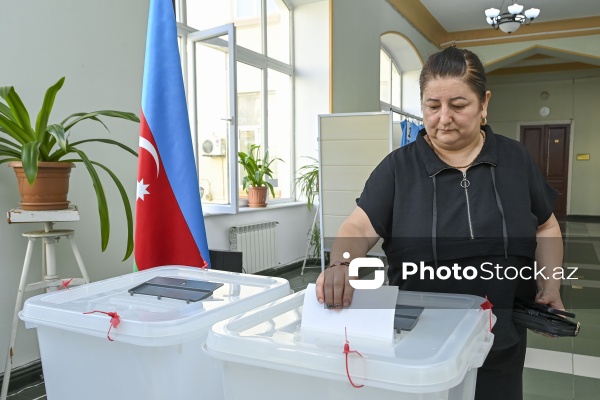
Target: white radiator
257,242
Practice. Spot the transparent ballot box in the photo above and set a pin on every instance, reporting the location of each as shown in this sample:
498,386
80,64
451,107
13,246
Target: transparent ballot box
265,354
141,335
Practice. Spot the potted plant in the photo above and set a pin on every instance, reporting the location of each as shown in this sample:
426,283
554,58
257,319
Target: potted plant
257,169
30,148
307,183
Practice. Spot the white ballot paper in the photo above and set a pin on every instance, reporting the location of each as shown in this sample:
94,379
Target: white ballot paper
370,316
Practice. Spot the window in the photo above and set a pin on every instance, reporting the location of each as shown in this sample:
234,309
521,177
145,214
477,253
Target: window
279,124
239,85
390,82
385,77
400,68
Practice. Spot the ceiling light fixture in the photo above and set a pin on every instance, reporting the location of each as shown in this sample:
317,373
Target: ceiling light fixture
512,20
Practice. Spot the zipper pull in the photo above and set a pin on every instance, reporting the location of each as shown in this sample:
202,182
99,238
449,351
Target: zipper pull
465,182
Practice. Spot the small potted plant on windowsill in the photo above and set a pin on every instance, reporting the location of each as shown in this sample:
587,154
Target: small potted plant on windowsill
29,149
257,169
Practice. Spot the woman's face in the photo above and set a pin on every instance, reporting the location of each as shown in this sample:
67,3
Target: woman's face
452,112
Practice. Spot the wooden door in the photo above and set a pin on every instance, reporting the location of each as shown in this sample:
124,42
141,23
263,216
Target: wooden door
549,147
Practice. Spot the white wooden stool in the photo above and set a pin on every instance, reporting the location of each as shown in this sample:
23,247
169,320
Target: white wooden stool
50,279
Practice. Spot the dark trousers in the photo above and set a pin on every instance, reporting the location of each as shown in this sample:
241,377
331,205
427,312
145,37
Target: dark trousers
501,375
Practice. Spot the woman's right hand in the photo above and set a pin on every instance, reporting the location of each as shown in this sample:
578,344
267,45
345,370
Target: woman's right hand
333,287
355,238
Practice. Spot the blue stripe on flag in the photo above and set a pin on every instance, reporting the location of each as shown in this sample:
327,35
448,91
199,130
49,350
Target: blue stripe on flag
165,108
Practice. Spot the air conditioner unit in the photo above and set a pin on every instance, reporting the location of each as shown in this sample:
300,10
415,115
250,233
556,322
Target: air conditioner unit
214,147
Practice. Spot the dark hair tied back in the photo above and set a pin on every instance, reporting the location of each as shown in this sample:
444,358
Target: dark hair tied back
453,62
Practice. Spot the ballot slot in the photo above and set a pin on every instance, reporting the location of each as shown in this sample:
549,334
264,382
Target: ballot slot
406,317
189,290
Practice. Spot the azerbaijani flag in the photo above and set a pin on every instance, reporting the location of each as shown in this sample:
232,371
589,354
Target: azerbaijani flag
169,226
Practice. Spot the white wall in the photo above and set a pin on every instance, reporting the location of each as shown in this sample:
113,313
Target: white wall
99,46
585,185
312,75
519,102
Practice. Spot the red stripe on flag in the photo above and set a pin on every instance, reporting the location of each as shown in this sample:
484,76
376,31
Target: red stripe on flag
162,236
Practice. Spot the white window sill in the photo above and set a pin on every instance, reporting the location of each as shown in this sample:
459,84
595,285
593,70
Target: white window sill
270,206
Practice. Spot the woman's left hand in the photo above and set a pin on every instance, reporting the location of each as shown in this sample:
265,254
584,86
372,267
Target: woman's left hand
550,297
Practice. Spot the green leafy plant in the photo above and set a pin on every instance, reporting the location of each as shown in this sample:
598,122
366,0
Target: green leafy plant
307,184
315,241
308,181
257,169
50,142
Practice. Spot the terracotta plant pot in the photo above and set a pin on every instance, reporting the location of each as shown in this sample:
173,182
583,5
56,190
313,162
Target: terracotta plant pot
257,196
50,189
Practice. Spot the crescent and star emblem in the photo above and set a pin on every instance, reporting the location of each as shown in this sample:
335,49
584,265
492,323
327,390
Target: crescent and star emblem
141,187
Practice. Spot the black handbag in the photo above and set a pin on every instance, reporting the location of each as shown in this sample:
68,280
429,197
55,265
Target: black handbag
544,319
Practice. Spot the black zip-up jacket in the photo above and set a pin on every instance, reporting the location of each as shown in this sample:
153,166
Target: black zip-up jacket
427,211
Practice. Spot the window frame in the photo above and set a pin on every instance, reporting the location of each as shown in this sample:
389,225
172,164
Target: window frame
387,105
233,206
237,54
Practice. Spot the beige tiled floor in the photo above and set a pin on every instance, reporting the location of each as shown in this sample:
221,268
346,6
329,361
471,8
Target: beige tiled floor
569,368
